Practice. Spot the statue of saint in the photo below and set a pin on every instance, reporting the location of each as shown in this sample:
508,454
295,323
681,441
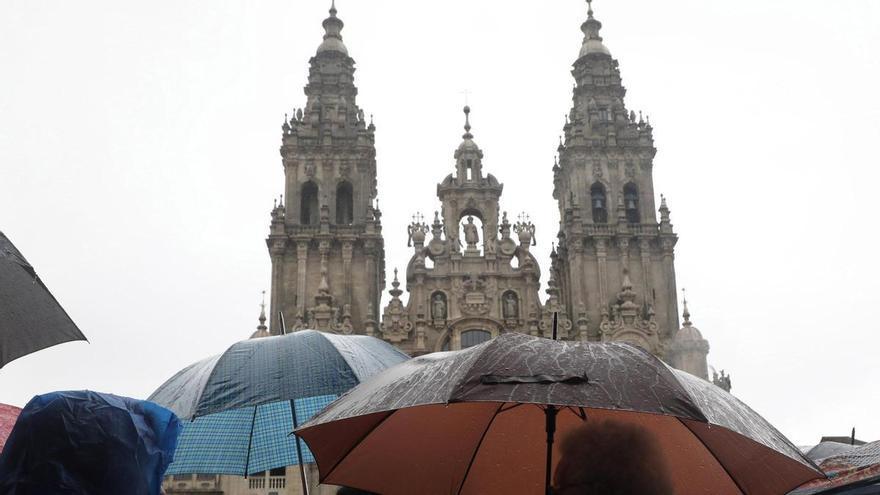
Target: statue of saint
471,236
511,306
438,307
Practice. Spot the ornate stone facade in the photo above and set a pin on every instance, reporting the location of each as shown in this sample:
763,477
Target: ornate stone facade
468,282
325,240
615,259
471,274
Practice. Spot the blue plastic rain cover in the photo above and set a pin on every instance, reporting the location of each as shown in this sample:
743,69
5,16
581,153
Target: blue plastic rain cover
87,443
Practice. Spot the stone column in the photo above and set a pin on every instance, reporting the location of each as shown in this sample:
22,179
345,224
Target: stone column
671,290
602,264
347,247
372,278
645,252
275,303
302,259
577,293
623,245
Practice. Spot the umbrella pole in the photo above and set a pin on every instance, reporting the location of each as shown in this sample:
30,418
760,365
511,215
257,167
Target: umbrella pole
299,453
550,426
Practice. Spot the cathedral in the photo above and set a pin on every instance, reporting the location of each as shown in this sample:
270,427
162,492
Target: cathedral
471,275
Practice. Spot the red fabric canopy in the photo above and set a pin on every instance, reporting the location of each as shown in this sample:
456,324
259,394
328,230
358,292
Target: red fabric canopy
8,415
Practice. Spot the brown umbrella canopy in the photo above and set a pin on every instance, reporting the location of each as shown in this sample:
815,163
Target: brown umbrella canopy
473,422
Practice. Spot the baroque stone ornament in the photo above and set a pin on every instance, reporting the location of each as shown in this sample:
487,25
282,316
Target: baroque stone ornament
417,231
525,230
461,292
396,327
473,299
629,323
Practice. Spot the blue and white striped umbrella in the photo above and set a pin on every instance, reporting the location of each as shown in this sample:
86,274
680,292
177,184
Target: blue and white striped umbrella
239,402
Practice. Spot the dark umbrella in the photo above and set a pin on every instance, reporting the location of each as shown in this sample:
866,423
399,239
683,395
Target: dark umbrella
86,443
479,421
245,402
30,317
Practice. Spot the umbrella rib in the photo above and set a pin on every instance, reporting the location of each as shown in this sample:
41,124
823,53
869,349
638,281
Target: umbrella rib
477,448
247,461
579,413
356,445
735,481
514,406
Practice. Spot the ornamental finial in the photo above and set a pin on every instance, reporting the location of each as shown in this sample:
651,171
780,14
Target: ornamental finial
467,123
686,313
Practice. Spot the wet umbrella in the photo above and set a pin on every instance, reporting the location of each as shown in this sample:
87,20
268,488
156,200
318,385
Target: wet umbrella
851,471
479,421
30,317
240,401
8,415
86,443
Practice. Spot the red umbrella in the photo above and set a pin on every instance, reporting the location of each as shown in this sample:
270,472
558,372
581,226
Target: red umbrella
8,415
481,421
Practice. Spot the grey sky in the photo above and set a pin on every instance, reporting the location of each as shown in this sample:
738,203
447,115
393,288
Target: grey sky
139,160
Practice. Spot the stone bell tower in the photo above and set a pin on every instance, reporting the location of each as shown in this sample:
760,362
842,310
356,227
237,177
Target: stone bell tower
325,240
475,277
615,259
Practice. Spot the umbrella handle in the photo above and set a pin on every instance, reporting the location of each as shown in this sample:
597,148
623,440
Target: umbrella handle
550,413
299,454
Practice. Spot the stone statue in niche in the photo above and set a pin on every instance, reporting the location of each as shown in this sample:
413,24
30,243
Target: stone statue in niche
438,307
471,235
511,305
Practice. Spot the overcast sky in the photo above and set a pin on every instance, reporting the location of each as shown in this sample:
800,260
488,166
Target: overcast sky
139,160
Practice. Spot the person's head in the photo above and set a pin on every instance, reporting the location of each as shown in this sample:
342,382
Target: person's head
611,458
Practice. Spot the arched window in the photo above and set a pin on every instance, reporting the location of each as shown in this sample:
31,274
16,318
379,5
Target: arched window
631,202
471,338
308,204
599,203
344,204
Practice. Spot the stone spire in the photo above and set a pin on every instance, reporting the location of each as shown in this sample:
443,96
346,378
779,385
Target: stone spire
689,349
467,143
395,284
332,29
592,39
686,314
262,318
325,238
262,329
665,223
468,156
